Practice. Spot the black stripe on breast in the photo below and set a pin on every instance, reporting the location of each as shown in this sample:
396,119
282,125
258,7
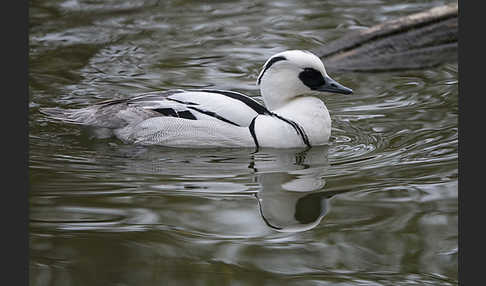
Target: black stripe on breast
300,131
212,114
252,132
258,108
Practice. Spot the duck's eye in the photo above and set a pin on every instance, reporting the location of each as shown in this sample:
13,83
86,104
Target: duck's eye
311,78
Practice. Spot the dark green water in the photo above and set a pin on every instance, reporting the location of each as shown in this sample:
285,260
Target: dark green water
378,206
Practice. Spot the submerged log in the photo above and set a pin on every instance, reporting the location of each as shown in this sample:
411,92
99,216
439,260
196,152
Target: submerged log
415,41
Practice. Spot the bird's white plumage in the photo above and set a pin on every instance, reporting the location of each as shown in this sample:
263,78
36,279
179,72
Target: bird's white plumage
225,106
293,116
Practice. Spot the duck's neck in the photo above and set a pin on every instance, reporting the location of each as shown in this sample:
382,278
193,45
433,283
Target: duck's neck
279,91
301,106
275,99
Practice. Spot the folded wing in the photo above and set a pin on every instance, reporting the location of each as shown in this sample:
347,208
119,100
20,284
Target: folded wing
223,106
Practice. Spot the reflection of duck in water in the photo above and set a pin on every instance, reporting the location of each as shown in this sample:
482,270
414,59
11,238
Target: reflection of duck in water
219,194
289,210
293,197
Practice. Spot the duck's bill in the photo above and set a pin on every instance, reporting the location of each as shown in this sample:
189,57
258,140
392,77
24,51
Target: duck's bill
333,86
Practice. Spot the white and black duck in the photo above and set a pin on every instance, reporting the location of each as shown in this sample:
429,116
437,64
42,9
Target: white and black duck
292,116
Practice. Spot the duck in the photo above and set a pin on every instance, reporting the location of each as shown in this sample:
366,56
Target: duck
291,116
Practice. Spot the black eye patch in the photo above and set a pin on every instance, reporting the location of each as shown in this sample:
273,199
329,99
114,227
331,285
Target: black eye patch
311,78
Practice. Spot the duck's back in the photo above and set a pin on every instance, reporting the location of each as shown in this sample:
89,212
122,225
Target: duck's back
230,107
184,116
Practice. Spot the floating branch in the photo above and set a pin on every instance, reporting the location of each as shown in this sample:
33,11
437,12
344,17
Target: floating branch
415,41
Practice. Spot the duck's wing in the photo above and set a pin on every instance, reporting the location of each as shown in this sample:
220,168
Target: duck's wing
226,106
230,107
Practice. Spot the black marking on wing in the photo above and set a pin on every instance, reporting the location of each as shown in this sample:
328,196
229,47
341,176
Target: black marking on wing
252,132
186,114
268,65
173,113
167,111
258,108
312,78
212,114
297,128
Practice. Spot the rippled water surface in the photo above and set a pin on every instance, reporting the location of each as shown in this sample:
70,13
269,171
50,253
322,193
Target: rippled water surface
378,206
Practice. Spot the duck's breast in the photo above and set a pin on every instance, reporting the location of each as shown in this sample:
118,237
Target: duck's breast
302,122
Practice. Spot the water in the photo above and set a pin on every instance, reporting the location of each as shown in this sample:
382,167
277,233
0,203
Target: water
378,206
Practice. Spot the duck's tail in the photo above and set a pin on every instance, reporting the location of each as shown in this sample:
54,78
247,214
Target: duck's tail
82,116
110,114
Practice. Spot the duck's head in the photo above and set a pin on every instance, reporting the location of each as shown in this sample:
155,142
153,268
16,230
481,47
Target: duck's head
293,73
